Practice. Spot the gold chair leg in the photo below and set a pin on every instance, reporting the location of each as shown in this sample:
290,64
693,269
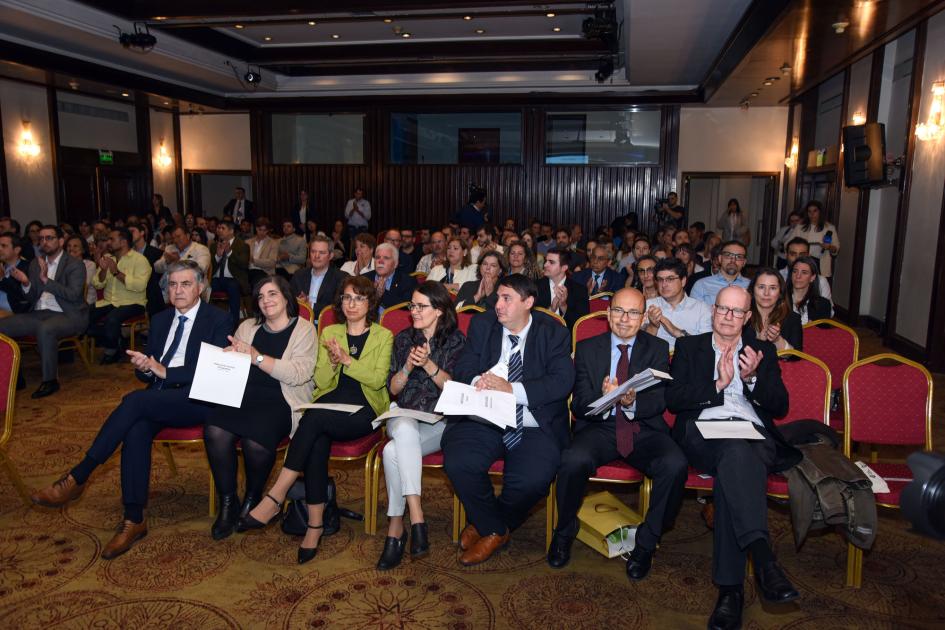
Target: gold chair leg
645,489
457,508
212,496
854,566
82,355
170,458
21,488
551,509
375,491
368,508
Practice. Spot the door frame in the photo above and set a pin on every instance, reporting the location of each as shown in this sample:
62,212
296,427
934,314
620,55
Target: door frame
192,185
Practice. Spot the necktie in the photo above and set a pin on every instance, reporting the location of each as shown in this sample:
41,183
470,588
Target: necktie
238,215
175,343
626,427
596,283
513,437
222,266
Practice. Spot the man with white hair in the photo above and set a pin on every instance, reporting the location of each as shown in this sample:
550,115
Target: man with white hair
392,284
724,375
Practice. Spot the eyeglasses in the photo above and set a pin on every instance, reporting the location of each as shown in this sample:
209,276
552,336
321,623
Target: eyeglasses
737,313
620,313
733,255
48,238
648,271
667,279
354,299
418,307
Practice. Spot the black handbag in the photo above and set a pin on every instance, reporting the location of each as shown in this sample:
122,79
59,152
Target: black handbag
296,517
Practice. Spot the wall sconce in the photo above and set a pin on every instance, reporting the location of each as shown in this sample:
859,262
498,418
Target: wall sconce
28,149
934,127
791,160
859,118
163,160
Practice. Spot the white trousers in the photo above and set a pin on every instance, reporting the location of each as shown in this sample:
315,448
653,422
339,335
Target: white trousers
410,442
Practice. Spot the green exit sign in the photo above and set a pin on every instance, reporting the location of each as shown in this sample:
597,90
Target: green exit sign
105,157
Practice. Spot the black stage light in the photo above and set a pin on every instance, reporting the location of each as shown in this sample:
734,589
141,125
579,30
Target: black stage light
140,40
252,77
923,499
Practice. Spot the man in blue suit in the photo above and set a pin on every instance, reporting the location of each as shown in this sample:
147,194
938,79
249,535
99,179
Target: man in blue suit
598,276
536,350
167,367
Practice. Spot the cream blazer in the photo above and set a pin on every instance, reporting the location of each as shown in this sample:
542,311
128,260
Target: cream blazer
295,369
268,254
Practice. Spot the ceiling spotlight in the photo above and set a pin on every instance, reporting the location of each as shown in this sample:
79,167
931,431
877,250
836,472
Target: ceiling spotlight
605,69
335,36
785,68
549,14
160,18
125,94
267,38
387,20
772,79
467,17
405,35
557,29
312,23
167,102
252,77
753,94
840,26
744,104
239,26
768,82
480,31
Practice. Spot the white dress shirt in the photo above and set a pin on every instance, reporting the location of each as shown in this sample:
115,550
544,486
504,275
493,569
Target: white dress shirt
692,315
178,359
734,404
518,389
47,301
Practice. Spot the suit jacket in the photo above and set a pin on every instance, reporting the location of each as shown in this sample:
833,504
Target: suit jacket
268,253
791,331
68,288
212,325
248,209
401,288
578,304
14,290
467,292
818,308
612,280
302,281
154,293
370,369
693,389
300,228
592,364
238,258
549,372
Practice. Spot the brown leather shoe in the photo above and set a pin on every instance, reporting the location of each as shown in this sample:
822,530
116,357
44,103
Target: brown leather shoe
483,549
62,491
128,533
469,537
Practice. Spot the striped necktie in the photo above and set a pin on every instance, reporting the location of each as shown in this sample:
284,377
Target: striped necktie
513,437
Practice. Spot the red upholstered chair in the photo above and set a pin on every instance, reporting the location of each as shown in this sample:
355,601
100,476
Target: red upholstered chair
465,314
836,345
185,435
542,309
9,368
885,403
365,448
326,318
305,311
396,318
588,326
600,301
420,276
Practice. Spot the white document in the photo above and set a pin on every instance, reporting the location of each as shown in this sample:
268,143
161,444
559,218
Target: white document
879,485
331,407
459,399
639,382
220,377
400,412
728,430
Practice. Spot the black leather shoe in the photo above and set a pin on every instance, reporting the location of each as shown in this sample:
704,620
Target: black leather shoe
419,540
46,388
774,585
251,523
728,611
639,563
226,518
559,552
249,502
306,553
393,552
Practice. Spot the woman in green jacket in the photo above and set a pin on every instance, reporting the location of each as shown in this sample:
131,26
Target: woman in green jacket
353,361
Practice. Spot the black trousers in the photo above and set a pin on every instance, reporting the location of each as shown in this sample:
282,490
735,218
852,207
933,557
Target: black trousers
231,287
740,468
133,425
105,322
471,447
654,453
310,447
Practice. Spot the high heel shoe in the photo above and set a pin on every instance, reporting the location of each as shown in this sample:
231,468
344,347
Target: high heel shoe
226,518
393,552
251,523
305,553
419,540
249,504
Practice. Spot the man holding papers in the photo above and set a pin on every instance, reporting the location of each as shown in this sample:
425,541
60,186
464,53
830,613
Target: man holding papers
633,430
533,351
167,366
724,376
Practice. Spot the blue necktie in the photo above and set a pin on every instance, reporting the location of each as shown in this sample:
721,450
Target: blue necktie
178,335
513,437
597,283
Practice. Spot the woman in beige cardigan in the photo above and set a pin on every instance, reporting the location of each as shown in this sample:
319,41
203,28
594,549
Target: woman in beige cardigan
282,349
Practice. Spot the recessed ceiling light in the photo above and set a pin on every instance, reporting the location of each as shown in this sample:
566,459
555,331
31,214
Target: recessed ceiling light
480,31
772,79
557,29
124,93
768,82
387,20
267,38
311,23
754,94
160,17
467,17
785,68
237,26
549,14
167,102
335,36
405,35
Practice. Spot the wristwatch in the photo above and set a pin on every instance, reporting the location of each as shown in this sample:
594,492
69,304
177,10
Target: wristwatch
259,359
751,379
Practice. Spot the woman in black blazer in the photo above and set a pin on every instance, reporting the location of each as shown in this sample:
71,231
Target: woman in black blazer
481,292
771,317
803,289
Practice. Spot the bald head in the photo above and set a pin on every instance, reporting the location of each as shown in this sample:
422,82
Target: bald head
731,312
625,314
734,296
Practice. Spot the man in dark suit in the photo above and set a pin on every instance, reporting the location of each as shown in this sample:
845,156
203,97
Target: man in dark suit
55,290
167,366
393,285
535,349
318,283
633,431
559,293
599,276
301,214
231,267
140,234
12,299
240,208
725,375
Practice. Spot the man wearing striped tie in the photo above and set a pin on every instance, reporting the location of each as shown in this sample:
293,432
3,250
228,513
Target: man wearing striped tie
534,350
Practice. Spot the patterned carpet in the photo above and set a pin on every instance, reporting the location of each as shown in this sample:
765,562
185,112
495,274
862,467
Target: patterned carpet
177,577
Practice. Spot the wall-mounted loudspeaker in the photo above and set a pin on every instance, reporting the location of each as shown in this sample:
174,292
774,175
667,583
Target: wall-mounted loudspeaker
864,155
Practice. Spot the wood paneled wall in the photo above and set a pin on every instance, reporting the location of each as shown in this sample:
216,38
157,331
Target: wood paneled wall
418,195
